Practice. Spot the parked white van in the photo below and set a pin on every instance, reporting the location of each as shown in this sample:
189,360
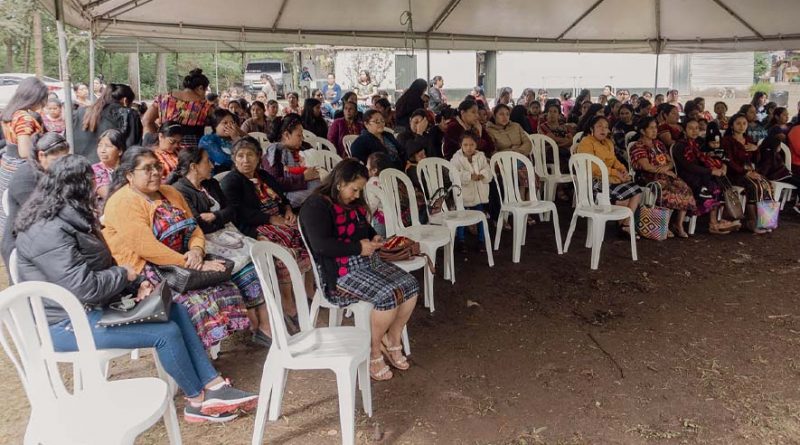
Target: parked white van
277,69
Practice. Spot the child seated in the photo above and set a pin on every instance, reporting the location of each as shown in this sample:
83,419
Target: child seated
473,169
376,163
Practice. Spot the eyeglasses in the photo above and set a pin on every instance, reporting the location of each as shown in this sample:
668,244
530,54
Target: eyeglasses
378,122
152,168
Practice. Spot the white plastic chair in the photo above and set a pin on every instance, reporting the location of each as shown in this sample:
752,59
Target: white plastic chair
575,141
343,349
261,138
782,191
96,411
309,136
6,202
432,175
389,130
220,176
347,141
430,237
505,164
629,137
599,209
324,144
549,174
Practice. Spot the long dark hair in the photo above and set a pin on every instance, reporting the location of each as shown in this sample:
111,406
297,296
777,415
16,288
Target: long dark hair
775,116
69,182
310,122
47,143
195,79
127,163
732,119
186,157
286,123
586,120
31,92
757,98
114,93
346,171
411,98
519,114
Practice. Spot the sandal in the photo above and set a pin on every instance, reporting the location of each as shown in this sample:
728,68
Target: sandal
717,230
401,363
625,231
382,374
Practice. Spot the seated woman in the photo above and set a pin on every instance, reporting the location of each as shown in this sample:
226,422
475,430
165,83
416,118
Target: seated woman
263,212
148,224
109,151
741,155
419,133
312,118
519,115
345,246
55,227
553,128
779,124
623,191
169,142
508,135
218,144
376,139
467,119
669,129
642,110
588,115
212,213
653,163
258,122
349,124
284,161
622,127
755,131
46,149
701,171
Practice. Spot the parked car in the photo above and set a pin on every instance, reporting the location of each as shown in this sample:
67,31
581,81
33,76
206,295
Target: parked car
277,69
9,82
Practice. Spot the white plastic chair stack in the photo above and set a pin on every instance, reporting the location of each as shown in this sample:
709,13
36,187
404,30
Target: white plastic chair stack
344,349
549,174
432,174
504,165
429,237
96,411
347,141
597,209
783,190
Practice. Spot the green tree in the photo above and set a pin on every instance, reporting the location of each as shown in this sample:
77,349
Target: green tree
761,66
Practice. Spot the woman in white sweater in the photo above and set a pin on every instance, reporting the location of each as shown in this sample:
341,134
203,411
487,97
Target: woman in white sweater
473,169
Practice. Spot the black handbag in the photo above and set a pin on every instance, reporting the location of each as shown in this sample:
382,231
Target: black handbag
733,205
439,198
182,279
153,309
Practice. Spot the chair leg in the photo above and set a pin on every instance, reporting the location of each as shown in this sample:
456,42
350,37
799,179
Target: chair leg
427,282
487,242
452,254
517,234
346,382
404,339
365,386
598,233
557,230
276,399
525,228
264,394
315,305
692,224
633,243
590,222
571,230
214,350
335,317
498,230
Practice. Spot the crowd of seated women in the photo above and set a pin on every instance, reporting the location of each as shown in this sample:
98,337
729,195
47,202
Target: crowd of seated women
164,192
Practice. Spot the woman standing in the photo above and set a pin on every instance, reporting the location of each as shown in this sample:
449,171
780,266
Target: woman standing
188,107
210,209
20,122
312,119
109,151
55,227
349,124
623,191
438,99
467,120
148,224
345,245
365,88
218,144
111,111
651,160
81,91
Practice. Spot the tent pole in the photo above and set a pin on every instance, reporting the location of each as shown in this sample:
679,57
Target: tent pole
428,58
655,88
138,71
216,67
91,62
62,53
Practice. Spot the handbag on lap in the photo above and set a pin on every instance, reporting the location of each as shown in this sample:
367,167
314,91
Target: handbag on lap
154,308
182,279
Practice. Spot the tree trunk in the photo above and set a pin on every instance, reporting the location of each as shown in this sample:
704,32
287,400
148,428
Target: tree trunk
27,52
161,73
38,51
9,55
133,72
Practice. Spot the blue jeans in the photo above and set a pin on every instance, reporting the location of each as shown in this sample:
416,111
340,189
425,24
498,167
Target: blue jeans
176,342
460,230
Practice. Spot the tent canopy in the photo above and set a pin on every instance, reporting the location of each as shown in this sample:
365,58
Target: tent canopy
633,26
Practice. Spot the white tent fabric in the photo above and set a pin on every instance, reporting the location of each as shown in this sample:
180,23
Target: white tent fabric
633,26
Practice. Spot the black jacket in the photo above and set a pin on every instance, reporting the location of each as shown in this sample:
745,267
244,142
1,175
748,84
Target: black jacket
242,197
319,229
199,203
21,187
114,115
66,251
367,143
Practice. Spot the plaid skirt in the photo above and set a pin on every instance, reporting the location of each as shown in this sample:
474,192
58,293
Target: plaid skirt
288,237
375,281
8,166
216,311
618,192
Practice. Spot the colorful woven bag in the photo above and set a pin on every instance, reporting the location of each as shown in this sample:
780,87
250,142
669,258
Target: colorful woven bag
653,220
767,209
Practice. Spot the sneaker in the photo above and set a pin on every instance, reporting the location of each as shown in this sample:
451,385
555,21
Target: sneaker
261,339
226,399
194,414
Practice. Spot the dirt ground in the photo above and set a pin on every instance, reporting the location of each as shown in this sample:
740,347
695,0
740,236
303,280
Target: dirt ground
697,342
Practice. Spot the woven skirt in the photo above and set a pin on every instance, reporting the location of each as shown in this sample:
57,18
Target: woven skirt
288,237
8,166
618,192
370,279
216,311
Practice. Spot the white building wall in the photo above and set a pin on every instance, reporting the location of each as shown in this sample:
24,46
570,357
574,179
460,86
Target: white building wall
458,68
